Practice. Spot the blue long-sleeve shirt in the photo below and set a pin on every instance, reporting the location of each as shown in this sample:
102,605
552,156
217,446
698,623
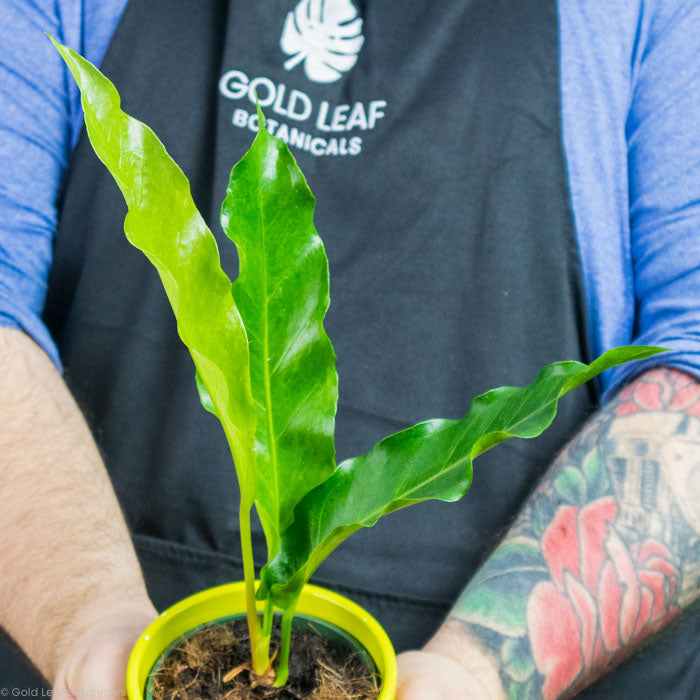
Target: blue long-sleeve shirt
630,101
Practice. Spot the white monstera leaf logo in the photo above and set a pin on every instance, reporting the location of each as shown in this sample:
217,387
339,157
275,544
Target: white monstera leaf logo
326,35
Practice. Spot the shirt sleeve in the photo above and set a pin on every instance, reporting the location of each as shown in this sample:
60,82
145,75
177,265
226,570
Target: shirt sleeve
35,128
663,137
40,120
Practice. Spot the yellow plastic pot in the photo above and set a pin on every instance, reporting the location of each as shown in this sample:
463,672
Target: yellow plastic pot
229,599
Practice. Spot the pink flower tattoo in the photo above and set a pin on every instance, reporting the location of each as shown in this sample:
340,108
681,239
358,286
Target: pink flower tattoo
602,595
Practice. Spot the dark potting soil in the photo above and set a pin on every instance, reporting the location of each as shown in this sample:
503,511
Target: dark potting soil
320,667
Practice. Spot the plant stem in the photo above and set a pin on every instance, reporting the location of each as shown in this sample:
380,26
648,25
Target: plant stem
249,577
267,618
261,654
283,669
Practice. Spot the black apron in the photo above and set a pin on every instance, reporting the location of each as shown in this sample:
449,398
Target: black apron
444,208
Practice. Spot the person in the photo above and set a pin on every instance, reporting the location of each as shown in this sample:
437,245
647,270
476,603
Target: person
499,186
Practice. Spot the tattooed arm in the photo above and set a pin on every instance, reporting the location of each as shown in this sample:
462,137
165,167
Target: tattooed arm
605,553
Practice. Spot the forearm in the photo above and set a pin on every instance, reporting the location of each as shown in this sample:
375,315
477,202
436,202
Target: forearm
66,558
604,554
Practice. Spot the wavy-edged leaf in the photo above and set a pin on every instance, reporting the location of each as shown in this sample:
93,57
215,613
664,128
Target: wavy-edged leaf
165,225
282,295
204,398
431,460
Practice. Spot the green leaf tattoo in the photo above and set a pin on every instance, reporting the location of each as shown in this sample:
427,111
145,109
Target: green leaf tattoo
516,659
508,617
571,486
595,474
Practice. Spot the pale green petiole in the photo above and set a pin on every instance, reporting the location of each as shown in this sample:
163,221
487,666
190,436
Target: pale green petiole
249,576
285,643
261,652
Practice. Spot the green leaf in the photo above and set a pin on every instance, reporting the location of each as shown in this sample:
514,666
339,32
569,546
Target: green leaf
543,510
165,225
494,598
521,691
596,474
571,486
496,606
429,460
204,398
282,295
514,555
516,658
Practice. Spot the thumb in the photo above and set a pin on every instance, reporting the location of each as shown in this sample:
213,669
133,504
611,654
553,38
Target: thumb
95,666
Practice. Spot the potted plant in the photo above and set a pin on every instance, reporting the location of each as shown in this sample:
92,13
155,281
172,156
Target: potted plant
266,368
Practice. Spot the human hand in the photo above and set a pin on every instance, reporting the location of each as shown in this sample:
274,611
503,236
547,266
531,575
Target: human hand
95,664
450,667
424,675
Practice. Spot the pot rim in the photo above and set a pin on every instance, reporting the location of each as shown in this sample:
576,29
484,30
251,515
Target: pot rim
227,599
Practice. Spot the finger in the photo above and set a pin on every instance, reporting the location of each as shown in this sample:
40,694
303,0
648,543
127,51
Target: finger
96,665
